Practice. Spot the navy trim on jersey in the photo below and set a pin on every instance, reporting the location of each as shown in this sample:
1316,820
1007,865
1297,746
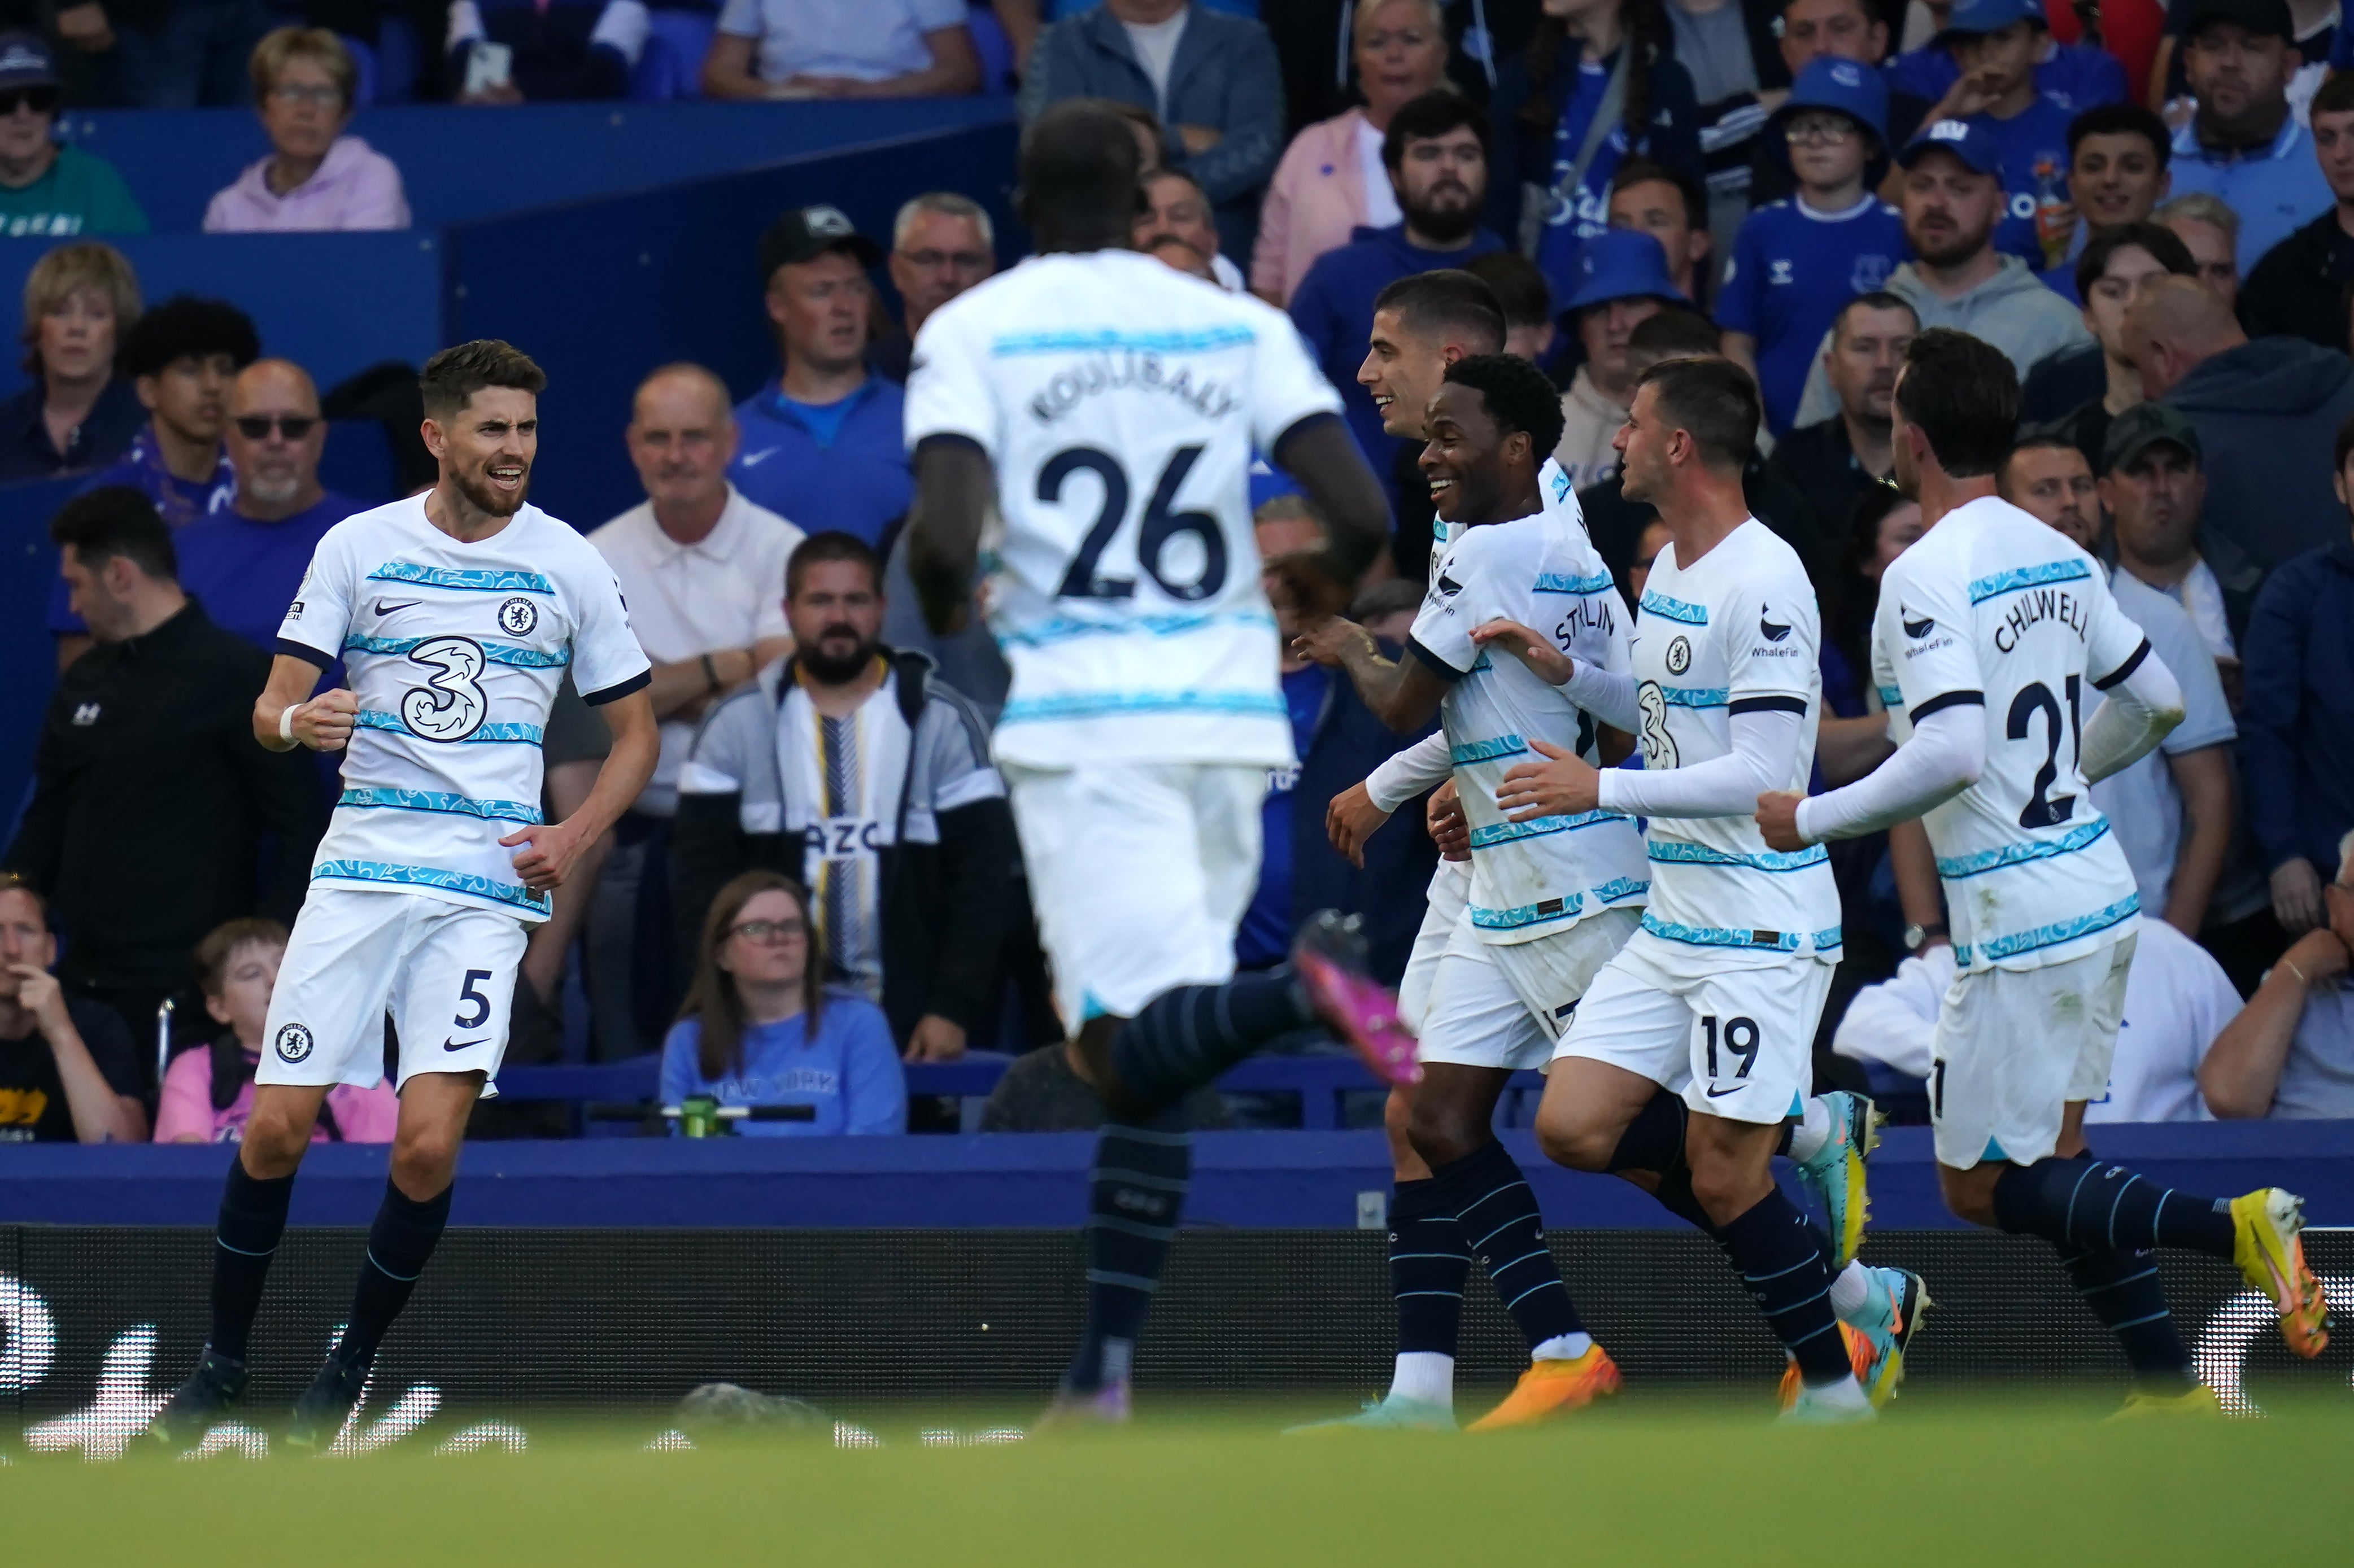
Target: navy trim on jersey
613,694
305,652
1306,422
1945,700
1438,666
2132,662
1768,705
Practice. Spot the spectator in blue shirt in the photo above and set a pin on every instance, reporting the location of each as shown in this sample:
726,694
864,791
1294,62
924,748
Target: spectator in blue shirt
2118,158
1797,263
760,1029
2243,146
820,444
1436,151
2075,76
1996,43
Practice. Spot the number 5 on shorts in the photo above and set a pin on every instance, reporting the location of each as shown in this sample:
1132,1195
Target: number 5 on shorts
1740,1039
481,1004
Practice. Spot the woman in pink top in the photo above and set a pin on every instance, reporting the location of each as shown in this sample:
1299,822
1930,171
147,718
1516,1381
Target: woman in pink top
208,1092
1331,178
318,178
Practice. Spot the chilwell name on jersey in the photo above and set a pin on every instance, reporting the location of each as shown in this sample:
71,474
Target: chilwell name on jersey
1130,369
2033,607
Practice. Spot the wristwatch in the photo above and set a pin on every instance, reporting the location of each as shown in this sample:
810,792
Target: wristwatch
1916,937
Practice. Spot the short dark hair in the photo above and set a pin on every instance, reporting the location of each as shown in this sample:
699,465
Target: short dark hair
1962,394
1520,285
2165,247
451,378
2122,120
1447,299
1519,397
1080,167
1639,170
116,519
1675,333
184,326
2333,96
1713,400
833,545
1434,113
1878,300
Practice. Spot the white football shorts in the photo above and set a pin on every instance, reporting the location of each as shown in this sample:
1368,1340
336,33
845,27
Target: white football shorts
1732,1031
447,971
1504,1004
2014,1046
1139,872
1449,895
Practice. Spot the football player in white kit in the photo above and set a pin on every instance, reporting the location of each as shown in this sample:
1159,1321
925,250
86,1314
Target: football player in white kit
1550,902
1994,636
455,614
1104,407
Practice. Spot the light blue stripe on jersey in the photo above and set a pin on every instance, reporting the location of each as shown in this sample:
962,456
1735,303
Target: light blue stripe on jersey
1063,629
1506,832
2069,843
1485,750
1696,697
1113,338
524,734
1674,608
1984,589
377,871
496,652
1117,704
1721,936
2050,936
1560,582
1677,851
433,801
1523,916
1891,697
467,577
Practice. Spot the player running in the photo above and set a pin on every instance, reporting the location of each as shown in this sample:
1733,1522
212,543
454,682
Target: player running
1993,635
456,613
1693,1046
1550,902
1105,408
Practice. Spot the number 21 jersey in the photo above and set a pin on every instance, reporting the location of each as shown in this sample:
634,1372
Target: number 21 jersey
454,652
1121,402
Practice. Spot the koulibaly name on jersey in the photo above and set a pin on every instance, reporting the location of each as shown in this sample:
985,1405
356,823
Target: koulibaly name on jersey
1129,369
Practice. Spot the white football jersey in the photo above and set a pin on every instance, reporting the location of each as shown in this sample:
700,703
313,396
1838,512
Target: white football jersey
1992,607
454,652
1737,633
1121,402
1528,879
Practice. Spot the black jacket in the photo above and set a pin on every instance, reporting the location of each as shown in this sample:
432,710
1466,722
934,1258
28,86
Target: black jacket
153,804
2297,288
1818,462
946,908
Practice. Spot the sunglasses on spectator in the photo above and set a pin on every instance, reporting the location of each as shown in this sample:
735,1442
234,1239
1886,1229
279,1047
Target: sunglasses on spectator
295,96
257,427
40,100
1823,130
768,930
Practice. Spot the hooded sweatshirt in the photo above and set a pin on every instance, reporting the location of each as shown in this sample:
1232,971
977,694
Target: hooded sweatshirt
354,187
2010,310
2267,414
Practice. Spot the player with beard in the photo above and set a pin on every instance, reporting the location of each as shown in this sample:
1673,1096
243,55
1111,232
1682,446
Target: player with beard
455,613
1437,154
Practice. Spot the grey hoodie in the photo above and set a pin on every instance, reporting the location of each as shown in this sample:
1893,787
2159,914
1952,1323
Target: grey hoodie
2010,310
2267,414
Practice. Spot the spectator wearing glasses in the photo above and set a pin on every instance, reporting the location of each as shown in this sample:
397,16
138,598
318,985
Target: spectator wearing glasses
46,189
941,245
315,176
1840,30
78,413
761,1031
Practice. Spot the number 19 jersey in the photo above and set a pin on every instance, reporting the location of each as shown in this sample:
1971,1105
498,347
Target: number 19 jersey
1121,402
1994,611
454,652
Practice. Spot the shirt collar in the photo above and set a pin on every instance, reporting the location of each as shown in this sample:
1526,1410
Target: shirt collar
727,535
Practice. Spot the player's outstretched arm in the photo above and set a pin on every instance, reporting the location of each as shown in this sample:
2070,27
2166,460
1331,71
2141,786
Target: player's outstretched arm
1608,695
286,715
551,849
1942,757
1403,694
1323,457
2144,705
955,483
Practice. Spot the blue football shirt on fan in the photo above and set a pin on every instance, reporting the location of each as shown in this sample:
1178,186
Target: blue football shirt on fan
1792,270
246,573
2036,135
1264,937
2074,79
848,1076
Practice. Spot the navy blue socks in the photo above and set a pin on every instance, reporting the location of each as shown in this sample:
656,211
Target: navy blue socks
1498,1213
402,1238
1783,1265
2123,1290
2081,1203
252,1218
1190,1033
1429,1260
1137,1197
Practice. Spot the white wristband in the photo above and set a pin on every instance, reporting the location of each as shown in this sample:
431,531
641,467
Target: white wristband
286,722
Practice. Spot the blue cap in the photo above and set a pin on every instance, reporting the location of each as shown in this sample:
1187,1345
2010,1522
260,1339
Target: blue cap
1622,264
1967,140
1851,88
1991,17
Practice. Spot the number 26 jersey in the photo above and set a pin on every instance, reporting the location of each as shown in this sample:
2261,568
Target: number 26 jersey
454,652
1994,611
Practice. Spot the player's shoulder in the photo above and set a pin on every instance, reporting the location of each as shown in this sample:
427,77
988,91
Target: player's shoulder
557,550
379,533
1757,560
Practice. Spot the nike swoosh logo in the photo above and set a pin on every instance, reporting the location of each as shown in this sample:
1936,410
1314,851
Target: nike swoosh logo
462,1045
384,609
1713,1094
754,460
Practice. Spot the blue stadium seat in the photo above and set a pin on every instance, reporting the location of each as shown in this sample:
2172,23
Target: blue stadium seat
996,50
364,58
671,65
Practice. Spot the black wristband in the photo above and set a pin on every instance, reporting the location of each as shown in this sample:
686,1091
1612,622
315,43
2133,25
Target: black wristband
711,671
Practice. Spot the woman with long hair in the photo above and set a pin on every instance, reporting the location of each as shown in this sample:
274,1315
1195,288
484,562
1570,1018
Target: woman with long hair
760,1029
1556,150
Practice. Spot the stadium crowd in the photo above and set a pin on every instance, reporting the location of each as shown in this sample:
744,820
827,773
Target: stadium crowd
2149,212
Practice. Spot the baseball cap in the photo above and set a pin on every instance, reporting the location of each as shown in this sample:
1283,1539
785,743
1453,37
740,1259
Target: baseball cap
1973,143
1622,264
2144,425
1853,89
806,233
2261,16
24,61
1971,16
